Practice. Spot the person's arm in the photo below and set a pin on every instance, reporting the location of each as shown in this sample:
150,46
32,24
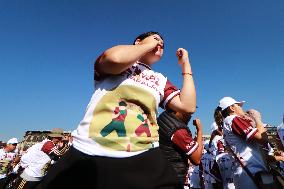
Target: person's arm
196,155
278,158
261,136
52,151
244,128
186,101
118,58
183,139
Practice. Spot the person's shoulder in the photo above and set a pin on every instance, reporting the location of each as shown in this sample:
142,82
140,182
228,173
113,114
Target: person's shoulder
229,119
216,138
49,143
2,152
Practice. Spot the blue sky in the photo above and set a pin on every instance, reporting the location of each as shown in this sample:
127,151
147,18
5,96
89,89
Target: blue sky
47,50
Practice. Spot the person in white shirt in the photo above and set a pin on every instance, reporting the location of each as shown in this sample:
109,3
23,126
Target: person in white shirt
7,155
119,131
216,135
37,160
207,162
194,175
243,135
226,165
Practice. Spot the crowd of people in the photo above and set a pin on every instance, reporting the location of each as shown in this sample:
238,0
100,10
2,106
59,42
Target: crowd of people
123,142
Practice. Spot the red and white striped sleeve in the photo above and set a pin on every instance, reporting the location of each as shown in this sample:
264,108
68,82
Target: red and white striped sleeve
183,139
50,148
243,128
170,91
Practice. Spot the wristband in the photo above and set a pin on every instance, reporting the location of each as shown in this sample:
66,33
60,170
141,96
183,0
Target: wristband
186,73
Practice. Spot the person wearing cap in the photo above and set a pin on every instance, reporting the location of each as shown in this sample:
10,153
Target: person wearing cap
7,155
244,134
38,159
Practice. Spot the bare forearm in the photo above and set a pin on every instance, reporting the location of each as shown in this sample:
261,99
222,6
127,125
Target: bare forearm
261,135
196,156
259,126
279,158
199,138
117,59
188,93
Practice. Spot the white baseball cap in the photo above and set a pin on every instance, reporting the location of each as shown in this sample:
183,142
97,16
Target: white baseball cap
229,101
13,141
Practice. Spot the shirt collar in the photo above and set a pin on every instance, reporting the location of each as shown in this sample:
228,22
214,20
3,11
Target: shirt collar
145,65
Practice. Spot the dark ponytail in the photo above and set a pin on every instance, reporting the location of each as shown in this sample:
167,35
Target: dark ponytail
218,117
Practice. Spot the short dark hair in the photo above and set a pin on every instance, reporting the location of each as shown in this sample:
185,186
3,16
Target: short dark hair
147,34
122,103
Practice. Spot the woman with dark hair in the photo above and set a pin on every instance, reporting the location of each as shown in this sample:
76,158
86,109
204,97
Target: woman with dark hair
244,134
112,146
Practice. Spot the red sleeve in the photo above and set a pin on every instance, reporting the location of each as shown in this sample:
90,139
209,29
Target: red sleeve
170,92
184,141
243,128
116,110
220,146
97,74
47,147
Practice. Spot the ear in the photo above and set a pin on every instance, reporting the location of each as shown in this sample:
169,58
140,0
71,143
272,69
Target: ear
232,108
137,41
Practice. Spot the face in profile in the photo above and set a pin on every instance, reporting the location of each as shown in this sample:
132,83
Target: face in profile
55,140
11,147
238,110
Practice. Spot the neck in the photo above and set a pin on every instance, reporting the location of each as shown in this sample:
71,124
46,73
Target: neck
6,149
144,62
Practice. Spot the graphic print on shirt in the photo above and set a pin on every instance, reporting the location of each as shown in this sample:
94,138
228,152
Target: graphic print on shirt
144,127
4,166
5,161
125,119
117,122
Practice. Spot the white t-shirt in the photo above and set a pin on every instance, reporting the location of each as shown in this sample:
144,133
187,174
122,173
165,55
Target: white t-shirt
238,132
5,159
207,161
193,177
34,162
227,166
214,147
120,119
